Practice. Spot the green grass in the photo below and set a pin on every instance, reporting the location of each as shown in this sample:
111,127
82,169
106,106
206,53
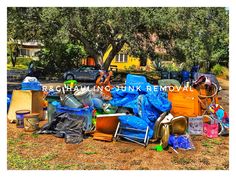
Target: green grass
15,141
191,168
205,161
34,135
18,162
65,166
28,145
89,152
181,160
17,67
209,143
127,150
21,135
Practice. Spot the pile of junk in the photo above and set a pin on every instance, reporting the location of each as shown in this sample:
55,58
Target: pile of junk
166,115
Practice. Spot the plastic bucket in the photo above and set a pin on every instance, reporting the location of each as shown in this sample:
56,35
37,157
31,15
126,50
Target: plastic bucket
31,122
20,118
70,101
51,107
84,97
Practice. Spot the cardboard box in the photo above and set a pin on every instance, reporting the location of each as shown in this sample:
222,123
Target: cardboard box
26,99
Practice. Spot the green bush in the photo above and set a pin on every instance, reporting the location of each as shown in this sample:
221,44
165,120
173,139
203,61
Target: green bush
225,73
23,61
221,71
132,68
217,70
172,67
20,60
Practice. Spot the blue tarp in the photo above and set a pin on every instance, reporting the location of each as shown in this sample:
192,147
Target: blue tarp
146,101
137,123
181,141
8,100
31,86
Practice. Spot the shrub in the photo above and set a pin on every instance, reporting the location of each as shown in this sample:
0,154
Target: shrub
172,67
225,73
132,68
23,61
217,70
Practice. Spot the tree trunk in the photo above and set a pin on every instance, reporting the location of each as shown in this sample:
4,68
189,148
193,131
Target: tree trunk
13,60
115,50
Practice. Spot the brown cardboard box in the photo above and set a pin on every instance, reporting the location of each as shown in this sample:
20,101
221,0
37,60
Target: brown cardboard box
26,99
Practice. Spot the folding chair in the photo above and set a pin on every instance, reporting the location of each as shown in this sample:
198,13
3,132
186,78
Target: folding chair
139,140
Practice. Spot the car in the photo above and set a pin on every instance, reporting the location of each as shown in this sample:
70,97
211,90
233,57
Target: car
83,73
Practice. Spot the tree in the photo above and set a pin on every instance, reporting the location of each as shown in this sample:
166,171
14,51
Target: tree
182,32
13,51
204,35
95,28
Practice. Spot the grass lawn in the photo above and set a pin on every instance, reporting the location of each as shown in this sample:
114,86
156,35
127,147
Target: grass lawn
17,67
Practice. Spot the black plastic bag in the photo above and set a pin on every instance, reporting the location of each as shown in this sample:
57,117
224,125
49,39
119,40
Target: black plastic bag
65,125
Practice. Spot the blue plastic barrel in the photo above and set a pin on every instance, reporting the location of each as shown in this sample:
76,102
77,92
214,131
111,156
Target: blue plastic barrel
185,75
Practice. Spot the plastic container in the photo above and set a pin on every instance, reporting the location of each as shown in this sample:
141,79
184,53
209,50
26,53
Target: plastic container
45,113
97,103
107,123
195,125
84,96
86,113
31,122
70,101
211,130
20,118
52,102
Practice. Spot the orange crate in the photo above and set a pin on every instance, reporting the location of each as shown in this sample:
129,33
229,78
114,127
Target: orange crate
184,102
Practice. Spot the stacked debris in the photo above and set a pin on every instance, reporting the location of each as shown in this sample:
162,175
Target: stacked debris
138,112
146,102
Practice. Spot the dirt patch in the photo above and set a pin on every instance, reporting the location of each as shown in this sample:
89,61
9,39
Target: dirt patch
25,151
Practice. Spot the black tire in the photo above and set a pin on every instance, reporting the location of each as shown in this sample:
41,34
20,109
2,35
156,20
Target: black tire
69,77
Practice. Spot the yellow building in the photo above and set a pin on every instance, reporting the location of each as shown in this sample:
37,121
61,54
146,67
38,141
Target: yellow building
124,61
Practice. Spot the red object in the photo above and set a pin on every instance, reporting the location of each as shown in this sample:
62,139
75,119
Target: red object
210,130
90,61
